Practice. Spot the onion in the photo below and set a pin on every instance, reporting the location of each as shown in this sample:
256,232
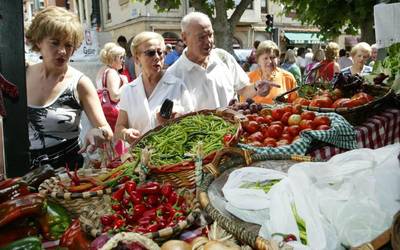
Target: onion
176,245
216,245
99,242
198,242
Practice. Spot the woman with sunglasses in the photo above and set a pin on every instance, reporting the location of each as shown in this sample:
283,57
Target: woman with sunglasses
141,99
108,77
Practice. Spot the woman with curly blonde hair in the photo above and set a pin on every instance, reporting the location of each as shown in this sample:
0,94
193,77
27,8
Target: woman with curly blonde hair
57,93
328,67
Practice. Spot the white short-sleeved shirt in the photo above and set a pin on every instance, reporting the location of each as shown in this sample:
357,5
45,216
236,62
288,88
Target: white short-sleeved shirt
142,110
214,86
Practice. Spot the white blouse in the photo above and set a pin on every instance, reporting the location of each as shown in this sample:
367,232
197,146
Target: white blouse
142,111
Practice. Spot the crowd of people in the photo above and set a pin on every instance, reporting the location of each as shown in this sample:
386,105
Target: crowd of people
194,75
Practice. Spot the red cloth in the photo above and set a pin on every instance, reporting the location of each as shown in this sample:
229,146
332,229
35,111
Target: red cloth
378,131
326,71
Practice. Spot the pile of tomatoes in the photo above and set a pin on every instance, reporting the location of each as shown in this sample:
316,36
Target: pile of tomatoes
280,126
334,99
146,208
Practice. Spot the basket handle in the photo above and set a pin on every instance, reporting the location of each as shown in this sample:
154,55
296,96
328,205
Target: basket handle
213,167
231,114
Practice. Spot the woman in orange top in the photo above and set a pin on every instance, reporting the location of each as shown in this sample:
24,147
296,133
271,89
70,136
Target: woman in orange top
267,55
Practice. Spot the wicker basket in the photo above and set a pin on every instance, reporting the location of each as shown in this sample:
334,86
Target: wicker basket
90,221
237,227
182,174
75,202
130,238
355,115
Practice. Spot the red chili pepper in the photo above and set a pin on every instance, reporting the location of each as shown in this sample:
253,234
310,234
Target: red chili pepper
152,200
125,201
116,207
74,178
14,191
138,210
227,139
149,188
290,237
136,197
107,220
119,194
166,189
74,238
118,223
151,213
130,186
152,228
173,197
141,229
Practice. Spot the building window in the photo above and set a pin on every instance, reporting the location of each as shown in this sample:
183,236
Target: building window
264,6
108,14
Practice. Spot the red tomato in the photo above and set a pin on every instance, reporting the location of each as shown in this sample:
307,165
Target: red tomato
296,109
277,123
269,142
275,131
251,117
340,102
282,142
306,124
285,130
264,130
321,101
277,114
268,119
362,94
260,120
294,130
257,136
301,101
336,94
285,117
321,120
287,137
307,115
294,119
323,127
251,127
287,109
256,144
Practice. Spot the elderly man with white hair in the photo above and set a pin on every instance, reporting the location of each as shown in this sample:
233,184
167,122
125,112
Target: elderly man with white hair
212,75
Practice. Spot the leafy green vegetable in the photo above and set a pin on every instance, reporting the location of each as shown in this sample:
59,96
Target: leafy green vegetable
265,186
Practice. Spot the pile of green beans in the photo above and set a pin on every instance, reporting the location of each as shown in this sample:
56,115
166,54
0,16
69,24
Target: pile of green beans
177,142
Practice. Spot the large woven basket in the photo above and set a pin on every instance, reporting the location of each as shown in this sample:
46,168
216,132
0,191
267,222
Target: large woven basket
355,115
75,202
90,221
240,229
182,174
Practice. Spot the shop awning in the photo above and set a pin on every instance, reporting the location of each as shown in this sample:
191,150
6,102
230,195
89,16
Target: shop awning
302,38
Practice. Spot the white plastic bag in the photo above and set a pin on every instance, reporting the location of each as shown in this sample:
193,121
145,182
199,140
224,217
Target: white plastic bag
245,198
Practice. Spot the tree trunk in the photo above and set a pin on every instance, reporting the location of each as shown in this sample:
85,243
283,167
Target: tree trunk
367,31
223,36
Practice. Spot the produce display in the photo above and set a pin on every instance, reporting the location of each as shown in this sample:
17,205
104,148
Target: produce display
280,126
146,208
177,142
346,92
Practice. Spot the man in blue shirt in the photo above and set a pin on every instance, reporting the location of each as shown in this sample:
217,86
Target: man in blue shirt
175,54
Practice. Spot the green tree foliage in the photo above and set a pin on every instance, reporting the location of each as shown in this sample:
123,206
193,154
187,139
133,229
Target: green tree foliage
333,17
223,26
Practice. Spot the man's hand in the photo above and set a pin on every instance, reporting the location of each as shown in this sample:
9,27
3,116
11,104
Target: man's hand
263,87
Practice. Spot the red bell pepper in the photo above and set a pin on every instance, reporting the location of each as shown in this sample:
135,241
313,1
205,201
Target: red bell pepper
28,205
9,182
74,238
14,191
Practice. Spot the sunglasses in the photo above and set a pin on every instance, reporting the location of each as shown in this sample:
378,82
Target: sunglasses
152,52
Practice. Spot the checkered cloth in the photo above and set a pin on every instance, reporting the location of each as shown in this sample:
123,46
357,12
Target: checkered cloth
341,134
377,131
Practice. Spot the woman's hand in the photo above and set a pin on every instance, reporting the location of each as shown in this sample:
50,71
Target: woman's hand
95,137
130,135
161,120
263,87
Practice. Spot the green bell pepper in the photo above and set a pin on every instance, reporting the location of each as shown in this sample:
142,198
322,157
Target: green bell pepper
54,222
28,243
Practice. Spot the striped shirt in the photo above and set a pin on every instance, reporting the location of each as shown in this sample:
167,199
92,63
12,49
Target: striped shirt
365,71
